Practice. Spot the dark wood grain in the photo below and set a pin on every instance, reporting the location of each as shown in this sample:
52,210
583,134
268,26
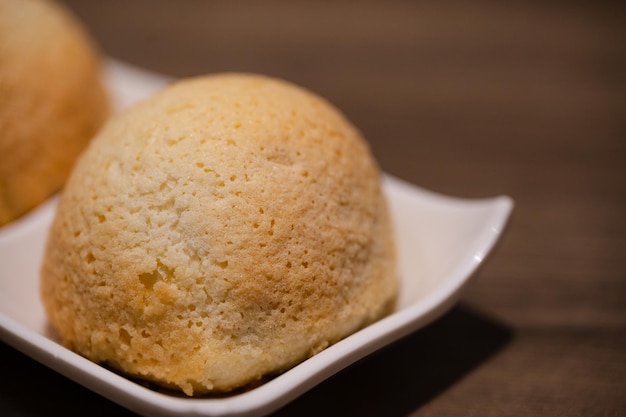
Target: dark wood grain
471,99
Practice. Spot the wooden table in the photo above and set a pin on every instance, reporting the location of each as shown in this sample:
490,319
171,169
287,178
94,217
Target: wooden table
471,99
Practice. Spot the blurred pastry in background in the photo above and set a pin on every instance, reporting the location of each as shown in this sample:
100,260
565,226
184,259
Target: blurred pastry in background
52,101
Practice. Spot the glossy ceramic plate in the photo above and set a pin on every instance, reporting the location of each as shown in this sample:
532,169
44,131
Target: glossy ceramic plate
442,240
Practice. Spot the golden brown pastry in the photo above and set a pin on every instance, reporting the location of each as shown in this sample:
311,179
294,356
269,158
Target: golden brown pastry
51,101
225,229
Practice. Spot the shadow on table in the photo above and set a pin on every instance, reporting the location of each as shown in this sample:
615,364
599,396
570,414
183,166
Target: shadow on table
28,388
392,382
407,374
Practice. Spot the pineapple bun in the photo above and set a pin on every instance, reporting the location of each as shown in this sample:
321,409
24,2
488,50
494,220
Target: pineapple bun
219,232
52,101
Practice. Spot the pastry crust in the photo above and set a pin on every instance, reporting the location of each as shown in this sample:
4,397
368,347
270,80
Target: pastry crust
52,101
223,230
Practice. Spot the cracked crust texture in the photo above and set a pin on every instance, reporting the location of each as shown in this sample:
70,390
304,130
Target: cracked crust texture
223,230
51,101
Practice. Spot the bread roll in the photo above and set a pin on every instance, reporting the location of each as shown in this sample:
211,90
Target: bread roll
223,230
51,101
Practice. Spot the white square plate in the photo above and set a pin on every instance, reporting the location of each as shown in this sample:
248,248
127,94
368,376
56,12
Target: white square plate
441,240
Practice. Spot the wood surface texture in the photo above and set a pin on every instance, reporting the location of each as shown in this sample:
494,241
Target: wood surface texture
472,99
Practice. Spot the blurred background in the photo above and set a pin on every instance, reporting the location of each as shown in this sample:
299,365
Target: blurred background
472,99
